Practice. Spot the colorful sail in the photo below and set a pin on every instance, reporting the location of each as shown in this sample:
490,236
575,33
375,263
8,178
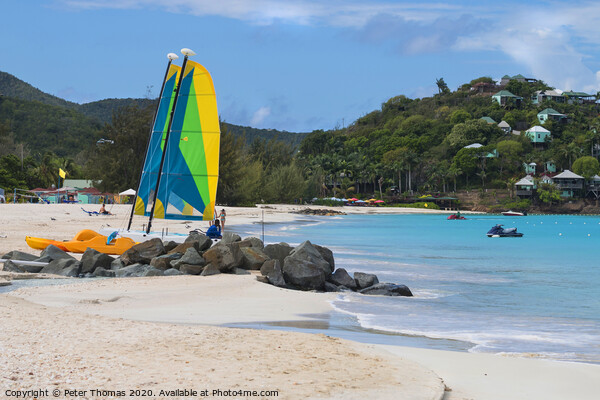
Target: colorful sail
188,182
156,145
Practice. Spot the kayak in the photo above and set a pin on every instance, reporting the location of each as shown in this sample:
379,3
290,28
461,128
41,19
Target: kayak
82,241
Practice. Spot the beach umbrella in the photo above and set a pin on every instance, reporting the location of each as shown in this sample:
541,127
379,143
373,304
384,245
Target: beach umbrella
379,201
128,192
360,201
352,199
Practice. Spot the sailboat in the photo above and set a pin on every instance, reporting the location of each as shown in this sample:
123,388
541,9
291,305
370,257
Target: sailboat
181,168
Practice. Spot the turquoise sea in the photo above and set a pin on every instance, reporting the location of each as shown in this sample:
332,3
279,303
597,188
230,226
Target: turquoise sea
538,295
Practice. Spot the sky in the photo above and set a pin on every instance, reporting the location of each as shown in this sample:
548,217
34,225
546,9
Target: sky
297,65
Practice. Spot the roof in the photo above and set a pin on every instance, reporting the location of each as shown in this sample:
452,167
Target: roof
595,178
538,129
519,77
503,124
506,93
577,94
551,111
532,164
488,120
473,146
525,181
566,174
550,93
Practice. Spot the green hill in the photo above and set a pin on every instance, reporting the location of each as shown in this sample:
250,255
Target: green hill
11,86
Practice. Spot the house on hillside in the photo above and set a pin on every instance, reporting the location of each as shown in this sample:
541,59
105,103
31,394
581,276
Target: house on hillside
552,114
488,120
550,167
519,78
569,183
505,127
593,187
525,187
579,97
484,87
538,135
530,168
505,97
540,96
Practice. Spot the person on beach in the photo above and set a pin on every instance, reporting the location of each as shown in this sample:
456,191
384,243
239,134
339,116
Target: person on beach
222,216
103,210
214,232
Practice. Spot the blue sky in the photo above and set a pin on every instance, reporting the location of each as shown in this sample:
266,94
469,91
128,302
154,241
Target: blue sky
298,65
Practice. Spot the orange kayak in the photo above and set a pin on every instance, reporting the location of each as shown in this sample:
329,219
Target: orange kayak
82,241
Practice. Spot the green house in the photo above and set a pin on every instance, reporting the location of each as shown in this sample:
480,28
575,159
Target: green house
550,113
530,168
504,96
538,135
488,120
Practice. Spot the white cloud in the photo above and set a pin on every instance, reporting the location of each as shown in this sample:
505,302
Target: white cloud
260,115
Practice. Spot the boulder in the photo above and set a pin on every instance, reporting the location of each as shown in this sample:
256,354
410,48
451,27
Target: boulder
55,253
172,272
9,266
190,269
19,255
330,287
93,259
230,237
63,266
240,271
262,279
252,242
182,247
275,277
341,278
364,280
327,255
164,262
106,273
117,264
306,251
304,274
254,257
137,270
192,257
224,256
387,289
202,241
210,269
268,266
170,245
143,252
278,251
16,255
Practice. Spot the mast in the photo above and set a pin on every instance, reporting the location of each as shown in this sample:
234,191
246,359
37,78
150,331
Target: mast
171,57
186,52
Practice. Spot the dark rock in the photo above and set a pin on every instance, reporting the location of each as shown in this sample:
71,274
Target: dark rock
117,264
181,248
210,269
364,280
275,277
192,257
203,241
278,251
172,272
230,237
262,279
190,269
151,271
387,289
341,278
143,252
63,266
304,274
170,245
306,251
107,273
19,255
93,259
268,266
16,255
9,266
55,253
164,262
252,242
224,256
240,271
137,270
254,257
327,255
330,287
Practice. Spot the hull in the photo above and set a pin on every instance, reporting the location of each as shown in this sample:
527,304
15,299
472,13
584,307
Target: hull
82,241
501,235
513,213
41,243
453,216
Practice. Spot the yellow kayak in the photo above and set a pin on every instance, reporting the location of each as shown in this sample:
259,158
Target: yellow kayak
82,241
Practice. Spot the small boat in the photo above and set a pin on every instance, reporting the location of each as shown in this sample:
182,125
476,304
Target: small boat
514,213
456,216
83,240
499,231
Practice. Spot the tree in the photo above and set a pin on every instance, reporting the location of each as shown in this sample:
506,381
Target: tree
586,166
442,86
548,193
509,151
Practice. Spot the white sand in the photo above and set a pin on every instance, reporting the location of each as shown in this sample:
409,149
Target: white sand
94,335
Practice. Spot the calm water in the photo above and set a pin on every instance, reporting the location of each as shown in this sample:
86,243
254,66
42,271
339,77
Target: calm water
539,294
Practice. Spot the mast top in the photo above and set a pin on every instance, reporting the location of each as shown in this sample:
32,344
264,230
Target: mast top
187,52
172,56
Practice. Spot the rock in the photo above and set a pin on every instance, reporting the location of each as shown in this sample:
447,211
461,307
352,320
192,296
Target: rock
137,270
210,269
203,242
275,277
268,266
364,280
252,242
181,248
93,259
262,279
172,272
191,257
306,251
151,271
117,264
341,278
230,237
19,255
164,262
55,253
170,245
278,251
224,256
9,266
190,269
63,266
254,257
387,289
303,274
107,273
327,255
330,287
240,271
143,252
16,255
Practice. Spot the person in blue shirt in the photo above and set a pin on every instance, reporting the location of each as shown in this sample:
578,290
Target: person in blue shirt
214,232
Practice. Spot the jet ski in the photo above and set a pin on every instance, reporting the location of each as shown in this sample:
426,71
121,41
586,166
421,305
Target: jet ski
499,231
456,216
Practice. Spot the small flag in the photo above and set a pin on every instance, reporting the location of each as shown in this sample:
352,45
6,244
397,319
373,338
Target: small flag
62,173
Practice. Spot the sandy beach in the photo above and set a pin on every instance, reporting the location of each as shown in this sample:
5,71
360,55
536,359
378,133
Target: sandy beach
163,333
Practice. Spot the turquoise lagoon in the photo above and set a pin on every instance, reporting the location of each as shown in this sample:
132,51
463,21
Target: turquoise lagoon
538,295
